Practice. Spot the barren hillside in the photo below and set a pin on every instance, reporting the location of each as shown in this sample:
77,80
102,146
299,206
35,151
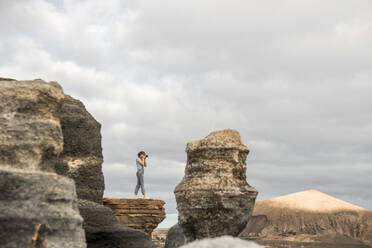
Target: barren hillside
309,216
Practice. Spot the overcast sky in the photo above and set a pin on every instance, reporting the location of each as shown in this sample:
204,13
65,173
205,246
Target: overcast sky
293,77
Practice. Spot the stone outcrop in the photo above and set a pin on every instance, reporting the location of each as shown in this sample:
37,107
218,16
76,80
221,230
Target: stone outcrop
141,214
309,216
158,237
221,242
38,208
103,230
81,160
175,237
254,226
214,198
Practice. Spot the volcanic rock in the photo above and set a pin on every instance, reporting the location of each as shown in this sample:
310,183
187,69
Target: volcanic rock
141,214
81,158
38,208
30,131
310,216
254,226
103,230
214,198
175,237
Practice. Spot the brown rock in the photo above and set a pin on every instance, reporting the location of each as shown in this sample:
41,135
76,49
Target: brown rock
140,214
37,207
159,237
214,198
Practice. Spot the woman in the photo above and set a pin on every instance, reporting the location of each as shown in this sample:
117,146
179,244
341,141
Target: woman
141,164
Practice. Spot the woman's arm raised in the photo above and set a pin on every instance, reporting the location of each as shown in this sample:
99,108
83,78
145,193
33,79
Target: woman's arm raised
140,161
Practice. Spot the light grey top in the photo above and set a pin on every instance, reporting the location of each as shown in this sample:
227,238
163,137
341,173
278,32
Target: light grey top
140,167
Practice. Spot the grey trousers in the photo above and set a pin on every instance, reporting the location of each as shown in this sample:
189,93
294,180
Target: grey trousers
140,183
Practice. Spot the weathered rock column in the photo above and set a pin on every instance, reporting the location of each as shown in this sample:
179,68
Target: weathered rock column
214,198
141,214
81,158
38,208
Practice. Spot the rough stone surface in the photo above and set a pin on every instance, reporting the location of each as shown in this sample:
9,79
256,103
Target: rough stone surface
38,208
214,198
103,229
141,214
309,216
159,237
254,226
81,158
30,133
175,237
28,199
221,242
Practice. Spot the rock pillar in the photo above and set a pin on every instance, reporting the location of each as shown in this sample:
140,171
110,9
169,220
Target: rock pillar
214,198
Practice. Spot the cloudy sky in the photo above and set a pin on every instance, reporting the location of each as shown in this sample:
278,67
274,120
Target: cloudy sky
293,77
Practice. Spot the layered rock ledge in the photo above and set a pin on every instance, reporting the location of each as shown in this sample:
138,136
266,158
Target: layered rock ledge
140,214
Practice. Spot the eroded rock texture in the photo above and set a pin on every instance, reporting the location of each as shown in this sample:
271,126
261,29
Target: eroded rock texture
30,131
175,237
214,198
140,214
81,160
38,208
103,230
159,237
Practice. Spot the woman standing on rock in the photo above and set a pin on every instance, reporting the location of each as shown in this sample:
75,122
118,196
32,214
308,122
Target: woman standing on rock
141,164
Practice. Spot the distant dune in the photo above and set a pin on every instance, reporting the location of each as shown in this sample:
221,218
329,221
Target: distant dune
309,216
309,200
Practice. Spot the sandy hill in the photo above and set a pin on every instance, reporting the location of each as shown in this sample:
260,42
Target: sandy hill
309,216
311,200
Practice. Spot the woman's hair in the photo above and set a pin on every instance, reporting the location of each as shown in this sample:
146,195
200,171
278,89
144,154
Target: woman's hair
140,153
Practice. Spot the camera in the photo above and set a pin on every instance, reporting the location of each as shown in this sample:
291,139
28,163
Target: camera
147,156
